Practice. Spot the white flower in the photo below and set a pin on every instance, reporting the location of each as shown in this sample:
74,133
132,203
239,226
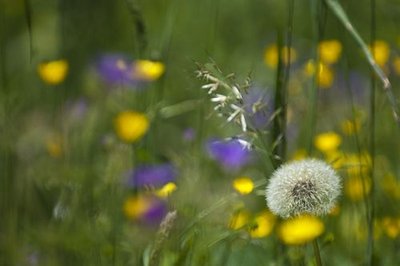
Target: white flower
308,186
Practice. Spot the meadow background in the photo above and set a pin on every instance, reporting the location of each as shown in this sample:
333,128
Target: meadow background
106,130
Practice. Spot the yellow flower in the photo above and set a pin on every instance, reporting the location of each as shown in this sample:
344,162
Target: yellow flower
381,52
391,186
300,230
335,158
325,73
53,72
357,165
327,142
148,70
244,185
166,190
356,187
329,51
136,206
350,127
271,55
325,76
262,225
396,65
54,147
391,227
131,125
239,219
299,154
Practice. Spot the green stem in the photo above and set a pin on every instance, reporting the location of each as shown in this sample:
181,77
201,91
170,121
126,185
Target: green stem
341,15
319,13
317,253
371,213
281,92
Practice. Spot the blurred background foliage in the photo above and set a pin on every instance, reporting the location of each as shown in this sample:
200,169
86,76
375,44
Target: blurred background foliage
65,160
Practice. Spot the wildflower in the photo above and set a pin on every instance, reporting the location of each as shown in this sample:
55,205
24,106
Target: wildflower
299,154
262,225
396,65
130,125
335,158
146,70
53,72
325,74
329,51
357,164
391,227
244,185
271,55
351,127
76,109
300,230
115,69
239,219
54,146
166,190
381,52
189,134
258,107
391,186
145,208
309,186
231,154
152,176
357,187
327,142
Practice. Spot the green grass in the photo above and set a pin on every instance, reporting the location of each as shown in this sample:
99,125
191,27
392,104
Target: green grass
67,208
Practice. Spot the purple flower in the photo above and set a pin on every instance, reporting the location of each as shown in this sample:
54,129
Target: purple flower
115,69
155,212
145,208
231,154
189,134
258,105
33,259
354,81
76,109
151,175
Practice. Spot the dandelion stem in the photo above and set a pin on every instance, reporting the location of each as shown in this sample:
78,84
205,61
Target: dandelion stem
317,253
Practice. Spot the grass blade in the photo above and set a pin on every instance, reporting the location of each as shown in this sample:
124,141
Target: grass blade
341,15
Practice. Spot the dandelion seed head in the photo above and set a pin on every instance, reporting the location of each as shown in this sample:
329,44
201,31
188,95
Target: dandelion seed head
308,186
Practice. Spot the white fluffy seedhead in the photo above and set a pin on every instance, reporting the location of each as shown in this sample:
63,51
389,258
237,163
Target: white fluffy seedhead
309,186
